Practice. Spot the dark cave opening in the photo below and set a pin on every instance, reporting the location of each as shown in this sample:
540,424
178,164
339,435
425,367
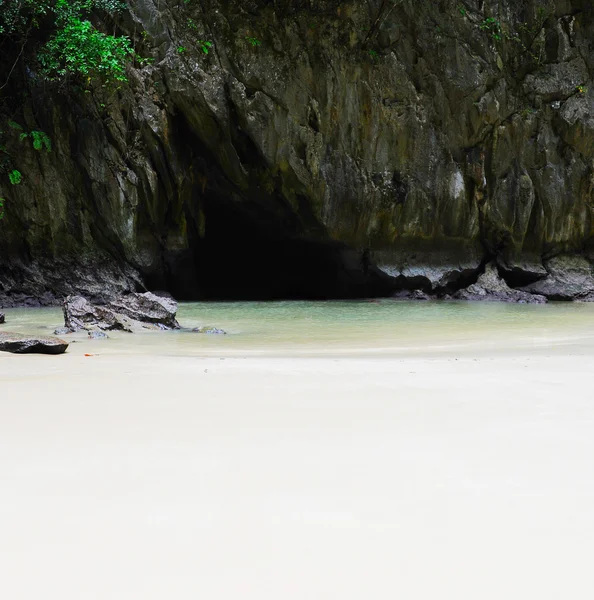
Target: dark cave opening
250,244
247,254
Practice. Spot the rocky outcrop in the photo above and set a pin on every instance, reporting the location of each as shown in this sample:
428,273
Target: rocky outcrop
79,314
431,136
147,308
568,278
127,313
491,287
437,272
24,344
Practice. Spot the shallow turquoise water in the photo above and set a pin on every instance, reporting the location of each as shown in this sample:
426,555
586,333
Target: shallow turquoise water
384,326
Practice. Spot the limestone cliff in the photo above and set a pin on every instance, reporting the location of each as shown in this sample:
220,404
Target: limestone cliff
315,140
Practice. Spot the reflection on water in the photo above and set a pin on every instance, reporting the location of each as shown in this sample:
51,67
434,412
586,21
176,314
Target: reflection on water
336,328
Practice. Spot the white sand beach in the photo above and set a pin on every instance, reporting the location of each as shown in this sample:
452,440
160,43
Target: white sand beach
460,472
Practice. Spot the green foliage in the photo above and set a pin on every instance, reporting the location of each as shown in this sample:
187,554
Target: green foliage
493,27
1,208
4,156
79,48
373,54
253,41
526,112
581,90
204,45
75,46
16,15
109,6
523,36
181,49
145,60
14,125
15,177
40,140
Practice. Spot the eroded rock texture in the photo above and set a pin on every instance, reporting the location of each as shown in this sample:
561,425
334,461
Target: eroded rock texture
313,142
26,344
125,313
491,287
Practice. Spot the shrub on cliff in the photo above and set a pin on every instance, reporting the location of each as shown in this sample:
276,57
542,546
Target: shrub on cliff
64,39
42,40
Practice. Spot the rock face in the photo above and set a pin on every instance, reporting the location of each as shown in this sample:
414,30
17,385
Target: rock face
126,313
491,287
24,344
568,278
436,134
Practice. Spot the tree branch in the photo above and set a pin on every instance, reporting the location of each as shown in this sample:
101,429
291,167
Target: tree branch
15,63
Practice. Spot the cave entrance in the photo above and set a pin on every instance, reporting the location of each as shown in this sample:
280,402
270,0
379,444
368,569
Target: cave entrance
250,244
247,253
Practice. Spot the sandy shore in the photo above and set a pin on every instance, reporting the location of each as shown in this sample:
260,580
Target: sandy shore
291,478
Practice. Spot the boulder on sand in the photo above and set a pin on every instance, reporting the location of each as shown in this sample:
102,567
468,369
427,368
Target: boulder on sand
2,318
147,308
123,314
79,314
29,344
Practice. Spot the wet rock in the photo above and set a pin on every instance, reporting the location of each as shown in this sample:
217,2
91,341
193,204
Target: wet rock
209,330
24,344
419,295
79,314
414,295
48,282
518,273
148,308
63,331
431,272
2,318
491,287
154,327
123,314
97,335
569,278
